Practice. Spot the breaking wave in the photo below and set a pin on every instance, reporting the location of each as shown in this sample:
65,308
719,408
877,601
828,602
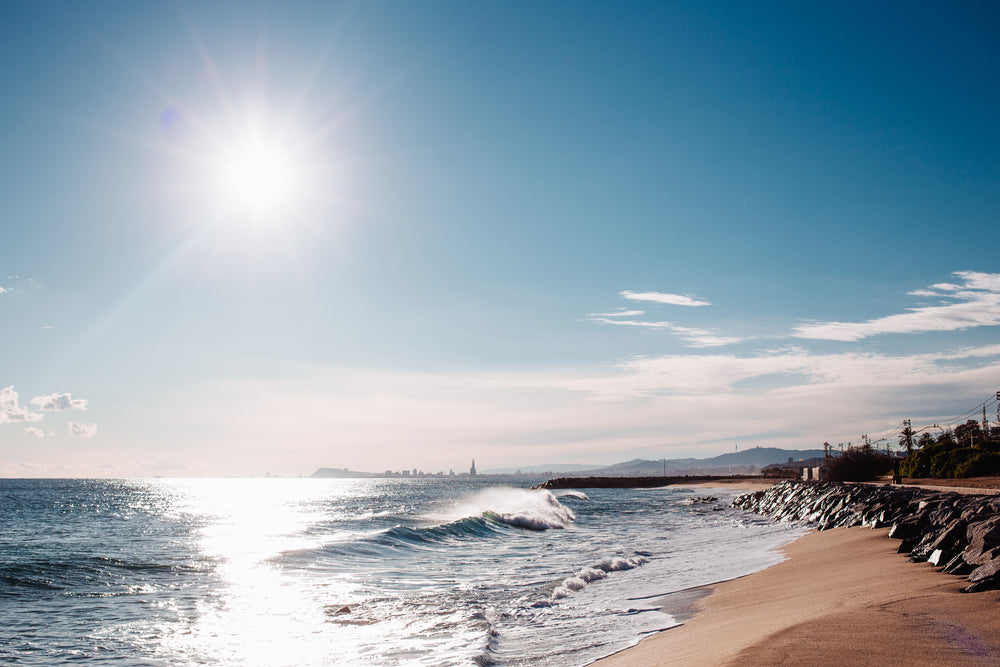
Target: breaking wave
599,570
572,493
491,513
534,509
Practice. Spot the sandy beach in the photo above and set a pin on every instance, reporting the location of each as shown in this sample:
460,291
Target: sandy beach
843,596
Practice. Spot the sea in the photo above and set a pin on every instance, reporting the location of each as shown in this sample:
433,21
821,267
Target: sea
299,572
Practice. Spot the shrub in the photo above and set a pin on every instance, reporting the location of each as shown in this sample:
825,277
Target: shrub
918,464
979,464
858,465
945,464
989,446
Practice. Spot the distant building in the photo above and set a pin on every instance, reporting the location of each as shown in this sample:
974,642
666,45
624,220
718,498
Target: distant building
472,470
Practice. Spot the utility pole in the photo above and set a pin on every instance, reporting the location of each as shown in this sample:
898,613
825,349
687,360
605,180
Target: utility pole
998,409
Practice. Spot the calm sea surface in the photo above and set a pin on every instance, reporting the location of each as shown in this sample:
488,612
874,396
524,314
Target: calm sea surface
352,572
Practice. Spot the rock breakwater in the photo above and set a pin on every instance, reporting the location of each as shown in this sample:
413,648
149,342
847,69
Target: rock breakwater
958,533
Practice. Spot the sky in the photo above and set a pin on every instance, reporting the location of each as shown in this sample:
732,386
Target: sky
250,238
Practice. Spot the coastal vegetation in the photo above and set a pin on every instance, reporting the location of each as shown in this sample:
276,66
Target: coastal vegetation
861,464
968,451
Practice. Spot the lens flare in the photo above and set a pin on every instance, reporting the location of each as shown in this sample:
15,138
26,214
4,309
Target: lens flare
258,177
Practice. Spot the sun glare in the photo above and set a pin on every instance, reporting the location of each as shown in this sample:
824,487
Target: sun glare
257,177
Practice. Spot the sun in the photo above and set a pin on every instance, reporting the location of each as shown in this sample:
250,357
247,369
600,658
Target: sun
257,176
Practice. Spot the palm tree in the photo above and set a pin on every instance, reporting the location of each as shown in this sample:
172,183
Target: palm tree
906,439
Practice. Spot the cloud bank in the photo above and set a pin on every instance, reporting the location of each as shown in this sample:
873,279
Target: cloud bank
653,406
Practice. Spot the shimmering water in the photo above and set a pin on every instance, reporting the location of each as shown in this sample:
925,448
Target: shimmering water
351,572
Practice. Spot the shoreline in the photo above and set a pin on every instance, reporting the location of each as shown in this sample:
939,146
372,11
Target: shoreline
842,595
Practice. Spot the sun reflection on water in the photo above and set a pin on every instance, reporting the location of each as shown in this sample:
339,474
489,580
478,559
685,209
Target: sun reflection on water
258,613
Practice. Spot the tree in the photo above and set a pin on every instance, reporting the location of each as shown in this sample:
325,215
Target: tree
906,439
968,434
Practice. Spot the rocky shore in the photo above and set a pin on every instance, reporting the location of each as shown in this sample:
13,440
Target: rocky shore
959,533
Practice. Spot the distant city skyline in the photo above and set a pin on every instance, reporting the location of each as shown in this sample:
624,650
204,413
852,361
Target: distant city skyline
243,238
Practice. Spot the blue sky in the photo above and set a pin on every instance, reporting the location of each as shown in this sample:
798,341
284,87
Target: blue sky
242,238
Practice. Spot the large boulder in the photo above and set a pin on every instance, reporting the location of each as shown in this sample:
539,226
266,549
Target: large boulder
986,577
983,535
951,537
907,529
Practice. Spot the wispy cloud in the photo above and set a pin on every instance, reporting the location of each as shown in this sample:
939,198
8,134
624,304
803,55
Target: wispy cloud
691,336
33,431
974,303
621,312
58,402
79,430
664,298
11,412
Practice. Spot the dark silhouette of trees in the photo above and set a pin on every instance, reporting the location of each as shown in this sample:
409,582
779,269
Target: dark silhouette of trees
969,433
858,464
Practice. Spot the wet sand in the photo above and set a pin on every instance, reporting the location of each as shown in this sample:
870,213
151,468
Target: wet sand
844,596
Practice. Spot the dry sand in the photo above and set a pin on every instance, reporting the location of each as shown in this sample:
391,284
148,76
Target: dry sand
844,596
733,484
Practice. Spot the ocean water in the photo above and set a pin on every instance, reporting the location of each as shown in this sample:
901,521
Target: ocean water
352,572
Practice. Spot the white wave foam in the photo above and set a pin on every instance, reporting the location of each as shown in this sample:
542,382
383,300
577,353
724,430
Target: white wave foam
572,493
596,572
535,509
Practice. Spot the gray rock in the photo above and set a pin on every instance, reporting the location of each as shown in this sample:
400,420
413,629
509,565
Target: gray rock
958,566
985,532
952,536
907,529
985,577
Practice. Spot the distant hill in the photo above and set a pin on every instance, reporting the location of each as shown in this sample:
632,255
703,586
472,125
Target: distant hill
545,467
747,461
